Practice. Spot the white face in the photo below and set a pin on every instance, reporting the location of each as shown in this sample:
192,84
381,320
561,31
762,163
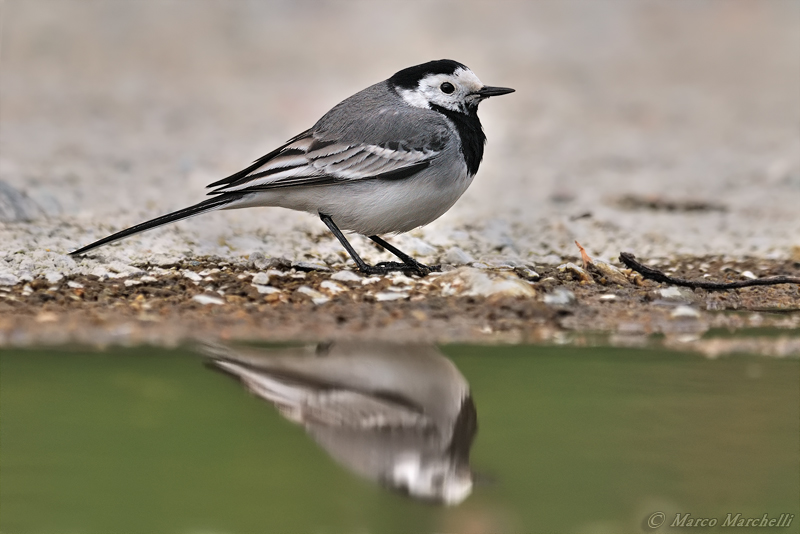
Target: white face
437,479
436,89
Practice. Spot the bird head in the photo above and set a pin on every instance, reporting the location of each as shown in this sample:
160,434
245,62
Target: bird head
443,83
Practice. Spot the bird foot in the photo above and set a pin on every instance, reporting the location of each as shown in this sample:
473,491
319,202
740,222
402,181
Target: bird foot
386,267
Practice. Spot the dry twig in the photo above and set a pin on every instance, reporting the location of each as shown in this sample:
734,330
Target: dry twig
654,274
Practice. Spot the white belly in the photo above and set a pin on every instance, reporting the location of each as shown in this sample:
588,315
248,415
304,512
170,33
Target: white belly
374,207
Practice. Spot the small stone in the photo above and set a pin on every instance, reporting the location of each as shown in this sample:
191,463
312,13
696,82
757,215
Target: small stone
527,273
474,282
119,267
575,270
608,298
346,276
676,293
191,275
380,297
208,299
53,277
266,290
610,272
101,272
261,263
400,278
370,280
333,287
749,275
560,297
399,289
148,278
685,311
256,257
74,285
8,279
310,266
129,283
260,279
456,256
316,296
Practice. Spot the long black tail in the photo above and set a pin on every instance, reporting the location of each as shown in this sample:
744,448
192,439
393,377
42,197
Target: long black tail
185,213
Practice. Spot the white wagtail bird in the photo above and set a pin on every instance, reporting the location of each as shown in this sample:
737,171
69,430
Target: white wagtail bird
391,158
400,415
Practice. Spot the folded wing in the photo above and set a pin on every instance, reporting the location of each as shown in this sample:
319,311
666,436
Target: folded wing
307,160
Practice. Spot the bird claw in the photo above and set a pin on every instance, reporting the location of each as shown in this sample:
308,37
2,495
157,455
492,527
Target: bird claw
386,267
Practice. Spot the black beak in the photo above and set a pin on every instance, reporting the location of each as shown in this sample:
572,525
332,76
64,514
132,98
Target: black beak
487,91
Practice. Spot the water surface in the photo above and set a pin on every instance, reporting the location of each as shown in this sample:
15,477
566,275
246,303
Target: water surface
569,439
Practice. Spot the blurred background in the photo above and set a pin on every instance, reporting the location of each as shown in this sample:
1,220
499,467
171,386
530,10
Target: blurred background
653,126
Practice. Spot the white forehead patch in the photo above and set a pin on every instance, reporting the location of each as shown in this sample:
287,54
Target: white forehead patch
468,78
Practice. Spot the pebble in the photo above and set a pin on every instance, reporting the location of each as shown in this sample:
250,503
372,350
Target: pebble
129,283
608,298
399,278
261,263
266,290
346,276
479,284
333,287
457,256
53,277
316,296
310,266
380,297
611,272
676,293
191,275
260,279
559,297
574,269
749,275
74,285
148,278
685,311
208,299
101,272
528,273
370,280
8,279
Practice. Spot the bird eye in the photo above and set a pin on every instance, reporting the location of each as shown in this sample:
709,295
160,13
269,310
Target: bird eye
447,88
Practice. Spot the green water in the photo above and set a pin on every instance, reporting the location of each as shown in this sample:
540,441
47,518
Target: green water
570,440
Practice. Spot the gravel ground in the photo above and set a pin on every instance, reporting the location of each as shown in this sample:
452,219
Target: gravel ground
667,129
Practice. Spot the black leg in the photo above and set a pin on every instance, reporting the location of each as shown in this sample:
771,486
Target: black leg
408,260
383,267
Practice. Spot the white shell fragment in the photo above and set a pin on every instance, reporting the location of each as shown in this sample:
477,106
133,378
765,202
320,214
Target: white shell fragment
208,299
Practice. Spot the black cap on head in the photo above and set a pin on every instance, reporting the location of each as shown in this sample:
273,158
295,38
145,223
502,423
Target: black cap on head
409,78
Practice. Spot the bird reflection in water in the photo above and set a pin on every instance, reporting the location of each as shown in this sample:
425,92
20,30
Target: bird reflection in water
401,415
